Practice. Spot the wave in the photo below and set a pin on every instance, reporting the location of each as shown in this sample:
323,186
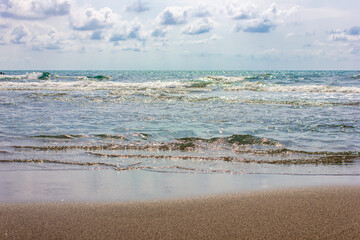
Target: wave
242,144
116,167
214,81
27,76
326,159
45,76
259,86
103,82
182,144
235,148
292,102
267,87
89,85
230,100
168,91
234,140
264,76
48,76
100,77
357,76
225,79
73,136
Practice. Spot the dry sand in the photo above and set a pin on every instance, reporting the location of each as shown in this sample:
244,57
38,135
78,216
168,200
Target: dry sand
312,213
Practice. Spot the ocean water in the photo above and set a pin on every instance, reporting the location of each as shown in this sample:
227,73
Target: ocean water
209,122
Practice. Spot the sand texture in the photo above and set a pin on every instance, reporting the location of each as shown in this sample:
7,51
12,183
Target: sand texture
309,213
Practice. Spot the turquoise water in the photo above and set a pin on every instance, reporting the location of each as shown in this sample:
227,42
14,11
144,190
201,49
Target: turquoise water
209,122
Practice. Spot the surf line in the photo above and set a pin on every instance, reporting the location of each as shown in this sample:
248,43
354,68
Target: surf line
319,160
134,166
165,169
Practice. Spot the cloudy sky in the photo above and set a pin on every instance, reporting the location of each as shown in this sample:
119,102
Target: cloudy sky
179,34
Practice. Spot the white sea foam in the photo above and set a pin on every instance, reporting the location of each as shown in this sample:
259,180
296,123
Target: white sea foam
258,86
83,83
88,85
27,76
225,79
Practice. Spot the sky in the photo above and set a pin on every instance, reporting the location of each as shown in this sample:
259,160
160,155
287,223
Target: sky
180,35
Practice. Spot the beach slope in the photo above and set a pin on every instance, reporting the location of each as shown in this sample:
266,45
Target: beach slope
308,213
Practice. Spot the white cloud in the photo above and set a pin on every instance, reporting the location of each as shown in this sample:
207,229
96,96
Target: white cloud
3,25
2,41
34,9
91,19
202,10
201,41
355,50
19,35
255,26
97,35
49,41
271,51
290,34
159,32
348,38
138,7
173,16
127,30
200,26
106,25
355,30
62,27
36,36
240,12
348,35
250,18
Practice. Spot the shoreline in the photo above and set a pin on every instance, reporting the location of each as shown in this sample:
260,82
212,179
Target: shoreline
112,186
307,213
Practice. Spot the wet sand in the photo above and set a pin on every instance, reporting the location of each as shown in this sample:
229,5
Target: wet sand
307,213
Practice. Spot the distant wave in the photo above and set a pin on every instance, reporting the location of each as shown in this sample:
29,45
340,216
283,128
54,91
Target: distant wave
88,85
100,77
258,86
109,85
225,78
48,76
357,76
27,76
103,82
266,87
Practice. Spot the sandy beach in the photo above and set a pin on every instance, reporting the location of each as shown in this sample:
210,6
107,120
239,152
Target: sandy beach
306,213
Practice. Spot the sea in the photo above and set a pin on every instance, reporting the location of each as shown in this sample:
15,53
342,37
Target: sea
65,131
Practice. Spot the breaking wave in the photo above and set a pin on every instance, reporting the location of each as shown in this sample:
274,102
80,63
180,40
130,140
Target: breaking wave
49,76
235,154
259,86
105,82
187,143
27,76
87,85
72,136
357,76
317,158
100,77
235,148
226,79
